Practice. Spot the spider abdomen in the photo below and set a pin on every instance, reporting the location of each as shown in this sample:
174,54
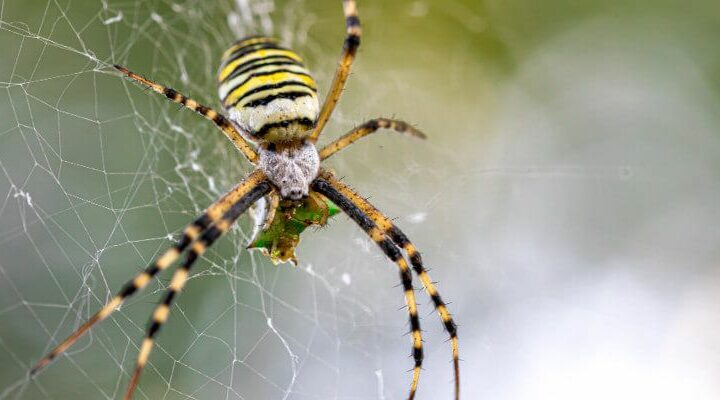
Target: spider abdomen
267,91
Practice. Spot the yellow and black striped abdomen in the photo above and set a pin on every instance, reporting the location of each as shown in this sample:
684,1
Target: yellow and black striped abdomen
267,91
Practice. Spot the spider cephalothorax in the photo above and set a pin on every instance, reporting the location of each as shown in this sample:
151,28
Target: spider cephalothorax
291,167
274,119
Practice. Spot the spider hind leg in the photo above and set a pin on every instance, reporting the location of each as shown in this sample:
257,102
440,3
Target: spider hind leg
401,240
252,190
349,206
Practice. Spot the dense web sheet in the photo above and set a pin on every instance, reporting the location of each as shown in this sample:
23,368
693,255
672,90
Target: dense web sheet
97,177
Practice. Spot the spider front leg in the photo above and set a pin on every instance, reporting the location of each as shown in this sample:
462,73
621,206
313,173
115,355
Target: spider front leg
325,188
352,42
218,119
400,239
211,215
367,128
253,192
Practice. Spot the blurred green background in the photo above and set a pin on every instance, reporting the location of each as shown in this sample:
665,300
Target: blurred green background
568,200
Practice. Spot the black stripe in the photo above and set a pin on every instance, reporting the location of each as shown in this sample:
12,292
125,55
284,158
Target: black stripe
183,243
211,235
245,50
153,269
192,255
352,21
204,220
414,323
395,233
418,355
352,42
282,124
267,100
264,73
451,328
153,329
416,261
128,289
391,251
261,62
437,300
169,297
170,93
271,87
406,279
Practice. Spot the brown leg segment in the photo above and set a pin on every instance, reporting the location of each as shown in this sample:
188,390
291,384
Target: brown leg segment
367,128
252,191
352,42
218,119
393,253
211,215
398,237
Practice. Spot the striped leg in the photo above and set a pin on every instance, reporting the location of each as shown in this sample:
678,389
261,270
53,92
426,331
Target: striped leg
218,119
393,253
352,42
191,232
252,192
416,260
398,237
367,128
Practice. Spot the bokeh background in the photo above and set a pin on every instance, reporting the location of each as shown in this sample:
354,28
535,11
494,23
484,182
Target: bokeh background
568,200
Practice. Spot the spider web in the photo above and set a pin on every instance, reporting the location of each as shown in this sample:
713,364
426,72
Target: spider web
568,194
99,177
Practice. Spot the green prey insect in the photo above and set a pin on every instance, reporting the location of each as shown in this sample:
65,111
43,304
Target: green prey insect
278,228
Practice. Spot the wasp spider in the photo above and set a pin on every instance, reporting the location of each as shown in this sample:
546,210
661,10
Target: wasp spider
274,119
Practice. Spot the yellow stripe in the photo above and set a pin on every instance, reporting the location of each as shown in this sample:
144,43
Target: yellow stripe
230,84
258,81
161,313
178,280
141,280
110,307
256,55
444,314
412,305
168,258
145,351
192,232
198,247
427,282
263,94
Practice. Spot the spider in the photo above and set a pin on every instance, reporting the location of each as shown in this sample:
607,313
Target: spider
274,119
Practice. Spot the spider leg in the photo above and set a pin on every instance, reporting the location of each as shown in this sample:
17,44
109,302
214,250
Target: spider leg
350,208
218,119
212,214
352,42
253,191
365,129
400,239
